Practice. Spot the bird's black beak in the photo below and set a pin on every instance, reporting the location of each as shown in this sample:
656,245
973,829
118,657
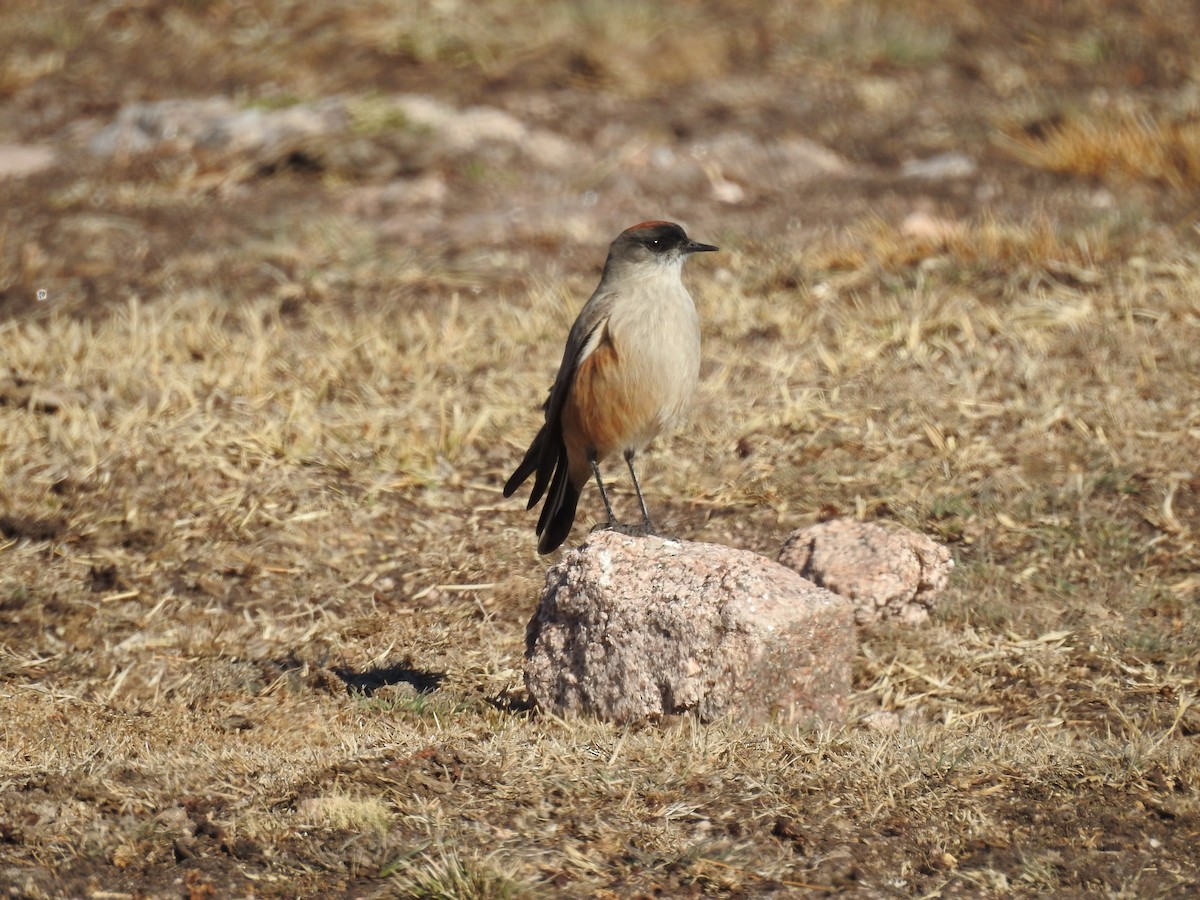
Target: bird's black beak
697,247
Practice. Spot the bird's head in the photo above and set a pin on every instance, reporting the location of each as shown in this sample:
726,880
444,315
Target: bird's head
662,242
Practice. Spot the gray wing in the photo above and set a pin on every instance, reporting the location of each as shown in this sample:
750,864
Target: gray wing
548,452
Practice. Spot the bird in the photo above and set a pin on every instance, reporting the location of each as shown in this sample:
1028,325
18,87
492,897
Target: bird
629,369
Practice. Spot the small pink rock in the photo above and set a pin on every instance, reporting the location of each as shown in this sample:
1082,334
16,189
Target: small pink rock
885,572
21,160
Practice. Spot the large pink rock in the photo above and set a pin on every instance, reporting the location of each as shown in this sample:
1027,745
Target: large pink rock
630,628
887,573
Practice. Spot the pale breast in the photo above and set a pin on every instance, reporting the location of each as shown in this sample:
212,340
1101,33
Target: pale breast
657,345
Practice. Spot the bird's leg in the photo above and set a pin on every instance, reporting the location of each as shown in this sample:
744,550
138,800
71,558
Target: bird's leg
612,520
647,526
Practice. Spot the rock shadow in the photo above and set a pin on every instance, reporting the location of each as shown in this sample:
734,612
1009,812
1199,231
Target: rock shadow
368,681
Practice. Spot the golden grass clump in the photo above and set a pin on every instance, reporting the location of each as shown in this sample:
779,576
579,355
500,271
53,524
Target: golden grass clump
1121,146
984,244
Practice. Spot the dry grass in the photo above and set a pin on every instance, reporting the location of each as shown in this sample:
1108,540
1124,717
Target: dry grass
262,606
1114,147
236,545
977,249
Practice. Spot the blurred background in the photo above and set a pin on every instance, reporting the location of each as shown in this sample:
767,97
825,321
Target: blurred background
502,137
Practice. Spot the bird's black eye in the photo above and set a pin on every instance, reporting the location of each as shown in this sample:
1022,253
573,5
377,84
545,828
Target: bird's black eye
654,242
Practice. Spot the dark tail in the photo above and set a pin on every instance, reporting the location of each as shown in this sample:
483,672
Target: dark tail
548,458
558,513
532,457
539,458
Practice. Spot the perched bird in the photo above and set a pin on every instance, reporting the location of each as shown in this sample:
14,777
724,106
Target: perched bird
629,369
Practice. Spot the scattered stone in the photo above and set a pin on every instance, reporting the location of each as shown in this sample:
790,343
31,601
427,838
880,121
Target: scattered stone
22,160
467,130
726,191
885,572
734,159
922,225
211,124
939,168
632,628
402,134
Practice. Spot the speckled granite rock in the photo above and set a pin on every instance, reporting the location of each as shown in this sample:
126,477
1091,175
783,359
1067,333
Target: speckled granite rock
630,628
885,572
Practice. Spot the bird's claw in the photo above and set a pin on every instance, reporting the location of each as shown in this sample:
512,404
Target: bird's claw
642,529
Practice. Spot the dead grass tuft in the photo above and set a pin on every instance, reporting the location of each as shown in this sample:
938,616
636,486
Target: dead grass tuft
1122,146
985,245
448,876
345,813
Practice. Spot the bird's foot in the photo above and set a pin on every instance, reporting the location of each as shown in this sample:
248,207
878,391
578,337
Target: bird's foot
642,529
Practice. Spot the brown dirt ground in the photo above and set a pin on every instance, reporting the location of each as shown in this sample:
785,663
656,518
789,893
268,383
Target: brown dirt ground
262,606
